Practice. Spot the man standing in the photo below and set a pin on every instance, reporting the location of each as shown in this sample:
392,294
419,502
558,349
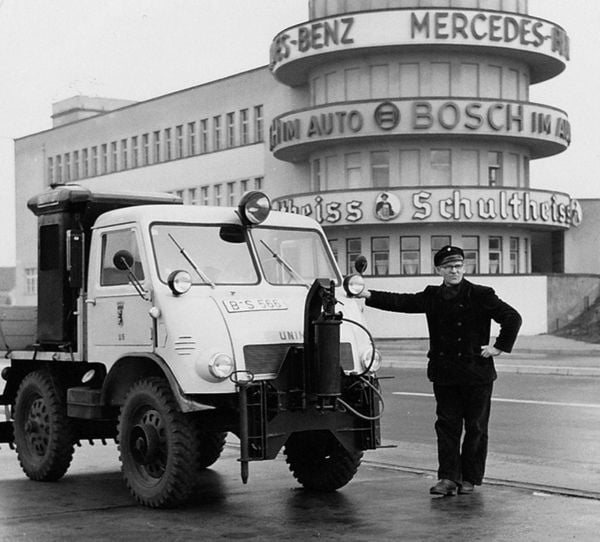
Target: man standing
461,364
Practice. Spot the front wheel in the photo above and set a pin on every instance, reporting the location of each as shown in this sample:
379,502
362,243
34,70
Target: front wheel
157,445
43,435
210,447
319,462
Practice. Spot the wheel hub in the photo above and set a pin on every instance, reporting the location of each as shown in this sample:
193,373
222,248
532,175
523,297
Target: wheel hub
36,427
147,443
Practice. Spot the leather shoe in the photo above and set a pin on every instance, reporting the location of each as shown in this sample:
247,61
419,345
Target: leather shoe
444,487
466,488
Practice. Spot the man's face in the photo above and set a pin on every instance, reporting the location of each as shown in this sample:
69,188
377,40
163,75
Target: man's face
452,272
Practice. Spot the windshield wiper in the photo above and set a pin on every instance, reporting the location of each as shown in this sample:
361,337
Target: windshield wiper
286,265
189,259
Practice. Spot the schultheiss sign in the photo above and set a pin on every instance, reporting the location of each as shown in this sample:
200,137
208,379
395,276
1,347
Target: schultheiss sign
438,205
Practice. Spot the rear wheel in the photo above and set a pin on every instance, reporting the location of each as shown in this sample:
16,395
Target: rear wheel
157,445
319,462
43,434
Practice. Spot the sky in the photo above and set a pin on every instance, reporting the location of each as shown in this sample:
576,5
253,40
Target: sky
140,49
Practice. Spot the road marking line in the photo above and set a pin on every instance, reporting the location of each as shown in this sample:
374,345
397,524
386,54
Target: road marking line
501,400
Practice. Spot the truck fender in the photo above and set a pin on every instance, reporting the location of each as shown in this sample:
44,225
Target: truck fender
136,365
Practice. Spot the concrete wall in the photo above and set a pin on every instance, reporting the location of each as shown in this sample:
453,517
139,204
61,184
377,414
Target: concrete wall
569,296
528,294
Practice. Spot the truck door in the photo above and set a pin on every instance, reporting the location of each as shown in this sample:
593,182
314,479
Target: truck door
118,318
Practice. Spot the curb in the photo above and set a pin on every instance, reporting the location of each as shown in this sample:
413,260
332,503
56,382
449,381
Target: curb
505,368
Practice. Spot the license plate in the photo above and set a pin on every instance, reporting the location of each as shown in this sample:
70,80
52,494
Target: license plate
260,304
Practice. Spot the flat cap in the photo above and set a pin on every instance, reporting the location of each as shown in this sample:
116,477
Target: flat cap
448,254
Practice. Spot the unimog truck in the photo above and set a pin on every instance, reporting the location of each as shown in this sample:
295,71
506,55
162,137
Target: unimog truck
166,327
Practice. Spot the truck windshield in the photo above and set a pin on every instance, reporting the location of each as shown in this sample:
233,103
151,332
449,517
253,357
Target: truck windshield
221,256
290,256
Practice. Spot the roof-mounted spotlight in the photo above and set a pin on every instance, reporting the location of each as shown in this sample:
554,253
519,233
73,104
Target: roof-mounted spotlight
254,208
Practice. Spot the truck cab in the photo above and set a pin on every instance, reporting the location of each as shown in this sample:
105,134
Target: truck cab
196,321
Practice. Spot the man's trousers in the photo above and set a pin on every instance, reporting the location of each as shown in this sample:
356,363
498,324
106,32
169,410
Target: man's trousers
458,406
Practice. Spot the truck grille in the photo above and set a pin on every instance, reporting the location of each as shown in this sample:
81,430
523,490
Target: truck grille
267,358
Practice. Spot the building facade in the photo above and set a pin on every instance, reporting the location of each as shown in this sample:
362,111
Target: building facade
399,125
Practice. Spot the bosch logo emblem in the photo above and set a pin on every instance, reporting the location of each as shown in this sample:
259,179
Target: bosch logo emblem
387,116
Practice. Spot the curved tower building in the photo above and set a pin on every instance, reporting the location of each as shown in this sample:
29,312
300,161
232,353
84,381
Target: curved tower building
415,129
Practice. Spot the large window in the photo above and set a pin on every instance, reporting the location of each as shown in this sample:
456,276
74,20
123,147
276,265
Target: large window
230,130
380,255
157,156
145,149
495,168
104,158
218,197
75,174
85,163
58,172
231,198
135,152
192,143
410,255
514,255
353,170
179,148
437,242
216,133
114,156
204,135
168,144
50,170
204,198
380,169
67,173
440,167
353,251
495,255
244,127
258,124
470,246
124,154
94,160
30,281
316,175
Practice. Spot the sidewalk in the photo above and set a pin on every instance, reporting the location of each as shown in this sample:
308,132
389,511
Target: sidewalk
534,354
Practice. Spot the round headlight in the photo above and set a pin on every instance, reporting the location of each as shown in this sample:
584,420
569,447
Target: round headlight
354,285
179,282
371,362
220,366
254,207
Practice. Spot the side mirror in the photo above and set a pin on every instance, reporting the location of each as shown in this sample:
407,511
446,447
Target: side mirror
123,260
361,264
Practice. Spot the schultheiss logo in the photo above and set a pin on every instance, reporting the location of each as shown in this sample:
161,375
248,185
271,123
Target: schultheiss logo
387,206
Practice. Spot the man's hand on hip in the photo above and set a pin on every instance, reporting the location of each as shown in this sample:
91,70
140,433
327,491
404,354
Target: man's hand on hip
488,351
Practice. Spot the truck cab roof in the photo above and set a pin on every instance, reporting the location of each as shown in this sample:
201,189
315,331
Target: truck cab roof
147,214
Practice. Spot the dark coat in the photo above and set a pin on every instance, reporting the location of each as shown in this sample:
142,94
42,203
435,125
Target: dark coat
458,328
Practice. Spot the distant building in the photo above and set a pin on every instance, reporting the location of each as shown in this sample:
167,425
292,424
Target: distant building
7,285
400,126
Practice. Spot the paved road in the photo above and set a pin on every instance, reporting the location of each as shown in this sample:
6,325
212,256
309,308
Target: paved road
544,429
91,504
544,447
